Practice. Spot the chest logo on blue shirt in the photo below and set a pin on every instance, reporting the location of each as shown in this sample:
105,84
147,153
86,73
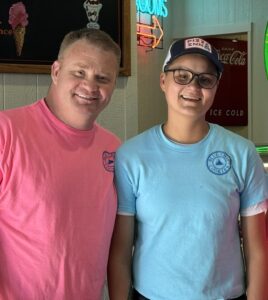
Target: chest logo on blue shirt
219,163
108,160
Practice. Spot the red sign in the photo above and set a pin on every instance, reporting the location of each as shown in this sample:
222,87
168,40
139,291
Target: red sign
230,107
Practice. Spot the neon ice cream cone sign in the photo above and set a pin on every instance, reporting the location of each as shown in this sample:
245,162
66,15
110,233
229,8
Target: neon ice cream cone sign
18,19
93,8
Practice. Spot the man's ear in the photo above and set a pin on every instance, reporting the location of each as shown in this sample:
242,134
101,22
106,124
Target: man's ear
55,71
162,81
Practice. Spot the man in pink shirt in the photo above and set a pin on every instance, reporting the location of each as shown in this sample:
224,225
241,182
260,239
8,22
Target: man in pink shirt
57,197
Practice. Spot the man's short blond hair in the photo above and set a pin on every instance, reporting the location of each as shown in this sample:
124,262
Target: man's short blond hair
93,36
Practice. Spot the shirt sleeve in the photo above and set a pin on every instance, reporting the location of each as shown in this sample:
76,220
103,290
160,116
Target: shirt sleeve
255,183
255,209
125,187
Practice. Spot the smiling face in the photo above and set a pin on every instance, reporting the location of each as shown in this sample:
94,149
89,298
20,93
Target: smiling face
83,80
189,101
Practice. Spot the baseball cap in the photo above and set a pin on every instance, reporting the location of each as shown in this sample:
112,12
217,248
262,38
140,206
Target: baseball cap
193,45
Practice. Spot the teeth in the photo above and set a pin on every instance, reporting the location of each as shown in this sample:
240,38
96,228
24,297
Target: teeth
86,97
190,98
83,96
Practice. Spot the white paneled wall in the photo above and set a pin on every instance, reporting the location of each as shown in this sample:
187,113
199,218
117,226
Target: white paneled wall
42,84
192,13
113,117
19,90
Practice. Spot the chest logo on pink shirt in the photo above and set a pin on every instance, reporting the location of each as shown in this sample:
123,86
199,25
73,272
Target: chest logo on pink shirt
108,160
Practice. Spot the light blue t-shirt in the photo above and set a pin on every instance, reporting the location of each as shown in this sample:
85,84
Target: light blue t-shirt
186,200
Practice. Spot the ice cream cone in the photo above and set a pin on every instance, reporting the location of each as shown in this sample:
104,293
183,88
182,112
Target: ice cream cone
19,33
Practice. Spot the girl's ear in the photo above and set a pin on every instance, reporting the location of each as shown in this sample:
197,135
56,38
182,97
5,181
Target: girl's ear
162,81
55,71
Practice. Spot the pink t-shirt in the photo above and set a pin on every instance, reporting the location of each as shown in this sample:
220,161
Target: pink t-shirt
57,206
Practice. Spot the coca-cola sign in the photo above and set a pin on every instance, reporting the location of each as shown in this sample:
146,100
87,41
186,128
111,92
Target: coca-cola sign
230,107
233,57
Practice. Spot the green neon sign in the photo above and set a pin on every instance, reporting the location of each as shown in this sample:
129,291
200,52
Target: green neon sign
262,149
266,50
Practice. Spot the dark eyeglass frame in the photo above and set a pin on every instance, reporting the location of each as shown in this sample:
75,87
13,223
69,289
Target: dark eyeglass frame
197,75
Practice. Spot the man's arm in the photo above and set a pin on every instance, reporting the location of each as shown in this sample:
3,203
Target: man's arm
256,255
120,259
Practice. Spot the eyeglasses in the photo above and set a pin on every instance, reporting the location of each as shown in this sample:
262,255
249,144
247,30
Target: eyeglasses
205,80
